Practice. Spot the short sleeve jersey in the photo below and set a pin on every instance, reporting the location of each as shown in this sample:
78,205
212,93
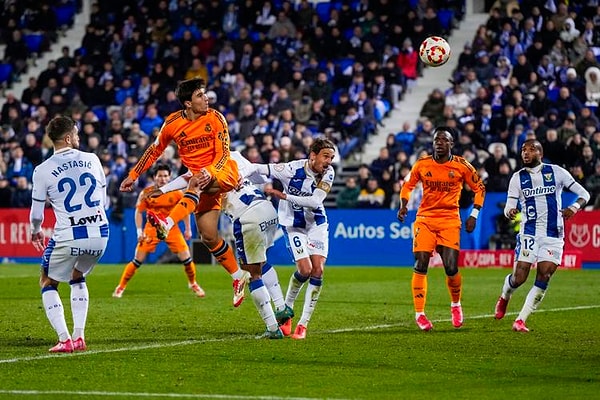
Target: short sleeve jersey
75,184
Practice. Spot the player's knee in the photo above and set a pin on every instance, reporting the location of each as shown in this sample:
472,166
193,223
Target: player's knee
420,267
451,270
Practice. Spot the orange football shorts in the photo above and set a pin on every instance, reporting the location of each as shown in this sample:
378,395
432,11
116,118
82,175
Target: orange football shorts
431,232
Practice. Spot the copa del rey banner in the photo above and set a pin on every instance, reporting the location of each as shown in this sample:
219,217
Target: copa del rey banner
15,236
582,233
502,258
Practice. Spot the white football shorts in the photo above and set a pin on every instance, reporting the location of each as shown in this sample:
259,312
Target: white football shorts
533,249
60,259
254,232
303,243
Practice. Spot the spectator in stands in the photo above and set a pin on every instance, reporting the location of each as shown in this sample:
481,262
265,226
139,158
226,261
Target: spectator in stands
363,175
18,166
21,197
484,70
433,107
372,196
348,196
32,150
592,184
567,129
498,156
16,53
6,193
381,163
554,150
457,99
151,120
407,61
498,182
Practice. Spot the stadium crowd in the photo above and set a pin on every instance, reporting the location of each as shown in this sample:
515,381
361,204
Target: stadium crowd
283,72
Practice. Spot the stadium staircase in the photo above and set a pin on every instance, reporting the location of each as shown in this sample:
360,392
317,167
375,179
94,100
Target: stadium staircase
70,34
409,108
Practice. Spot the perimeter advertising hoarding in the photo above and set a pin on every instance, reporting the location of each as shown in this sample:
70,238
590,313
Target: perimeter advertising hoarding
357,237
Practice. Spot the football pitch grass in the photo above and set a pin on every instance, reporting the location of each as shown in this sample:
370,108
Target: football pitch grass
160,341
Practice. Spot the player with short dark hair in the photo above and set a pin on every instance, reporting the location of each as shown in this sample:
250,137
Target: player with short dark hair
202,138
147,238
437,226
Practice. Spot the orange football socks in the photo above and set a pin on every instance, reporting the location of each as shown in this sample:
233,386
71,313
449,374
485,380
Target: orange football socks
419,290
128,272
190,269
454,284
224,255
186,206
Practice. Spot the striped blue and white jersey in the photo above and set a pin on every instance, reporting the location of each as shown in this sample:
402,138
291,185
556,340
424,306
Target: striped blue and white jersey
74,183
538,191
298,180
242,198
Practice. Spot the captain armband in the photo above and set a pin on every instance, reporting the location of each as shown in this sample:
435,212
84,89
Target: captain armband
475,213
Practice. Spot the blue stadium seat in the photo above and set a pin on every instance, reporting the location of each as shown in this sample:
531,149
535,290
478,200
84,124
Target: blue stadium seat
344,63
322,10
553,94
100,112
34,41
6,70
445,16
65,15
254,36
335,96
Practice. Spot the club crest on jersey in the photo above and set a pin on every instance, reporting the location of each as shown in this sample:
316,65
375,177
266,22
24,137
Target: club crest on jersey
548,177
451,174
207,128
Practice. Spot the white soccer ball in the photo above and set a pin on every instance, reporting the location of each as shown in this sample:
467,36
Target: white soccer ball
434,51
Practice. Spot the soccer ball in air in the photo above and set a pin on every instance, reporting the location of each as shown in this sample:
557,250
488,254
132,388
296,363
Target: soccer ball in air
434,51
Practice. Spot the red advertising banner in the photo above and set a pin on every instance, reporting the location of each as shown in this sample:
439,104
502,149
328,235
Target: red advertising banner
15,237
502,258
582,233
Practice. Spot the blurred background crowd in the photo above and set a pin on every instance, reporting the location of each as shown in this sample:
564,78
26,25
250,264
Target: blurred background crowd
283,72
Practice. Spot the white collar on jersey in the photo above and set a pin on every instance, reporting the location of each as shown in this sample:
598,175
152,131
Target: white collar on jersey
63,150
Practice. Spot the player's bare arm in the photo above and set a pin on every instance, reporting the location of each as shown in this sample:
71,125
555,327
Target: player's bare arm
403,210
472,220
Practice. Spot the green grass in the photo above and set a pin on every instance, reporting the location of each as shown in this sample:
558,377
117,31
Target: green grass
159,341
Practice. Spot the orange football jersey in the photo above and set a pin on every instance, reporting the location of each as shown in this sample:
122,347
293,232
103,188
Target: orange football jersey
442,185
203,143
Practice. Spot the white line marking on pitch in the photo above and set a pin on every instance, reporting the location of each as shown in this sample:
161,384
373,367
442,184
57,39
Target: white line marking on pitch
168,395
249,337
